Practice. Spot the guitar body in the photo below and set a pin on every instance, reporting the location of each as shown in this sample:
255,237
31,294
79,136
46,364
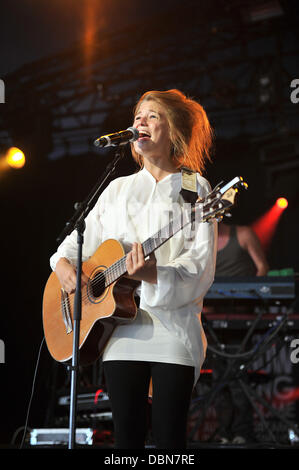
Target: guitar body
102,308
108,297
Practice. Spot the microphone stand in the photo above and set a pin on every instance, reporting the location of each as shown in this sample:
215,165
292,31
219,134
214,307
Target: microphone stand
77,222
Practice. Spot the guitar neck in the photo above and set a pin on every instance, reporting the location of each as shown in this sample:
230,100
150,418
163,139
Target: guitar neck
215,204
163,235
118,269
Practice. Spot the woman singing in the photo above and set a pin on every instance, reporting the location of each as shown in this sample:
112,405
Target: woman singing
166,341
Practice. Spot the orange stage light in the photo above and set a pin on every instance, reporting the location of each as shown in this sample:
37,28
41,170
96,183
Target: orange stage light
15,157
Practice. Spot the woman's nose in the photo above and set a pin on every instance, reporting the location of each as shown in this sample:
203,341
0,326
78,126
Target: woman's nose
143,120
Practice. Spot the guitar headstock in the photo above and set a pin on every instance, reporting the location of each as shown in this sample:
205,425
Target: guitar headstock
221,199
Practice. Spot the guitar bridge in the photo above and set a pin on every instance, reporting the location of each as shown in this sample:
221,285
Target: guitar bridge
65,309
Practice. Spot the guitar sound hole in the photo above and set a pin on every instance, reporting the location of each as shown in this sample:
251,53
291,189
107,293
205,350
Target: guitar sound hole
97,285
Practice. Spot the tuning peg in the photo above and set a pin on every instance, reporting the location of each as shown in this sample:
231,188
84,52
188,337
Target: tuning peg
243,183
227,214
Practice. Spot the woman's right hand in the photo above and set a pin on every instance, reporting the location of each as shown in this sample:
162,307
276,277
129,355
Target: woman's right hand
67,276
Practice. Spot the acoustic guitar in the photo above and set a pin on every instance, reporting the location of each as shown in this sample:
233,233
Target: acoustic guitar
108,297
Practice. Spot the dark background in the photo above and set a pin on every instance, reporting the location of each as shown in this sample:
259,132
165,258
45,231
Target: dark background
73,71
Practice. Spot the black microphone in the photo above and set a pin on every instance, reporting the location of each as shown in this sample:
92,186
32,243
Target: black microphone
118,138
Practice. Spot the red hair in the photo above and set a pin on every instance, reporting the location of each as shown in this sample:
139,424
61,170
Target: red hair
190,131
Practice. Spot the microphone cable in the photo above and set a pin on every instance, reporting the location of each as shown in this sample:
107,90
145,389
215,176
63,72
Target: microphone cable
32,393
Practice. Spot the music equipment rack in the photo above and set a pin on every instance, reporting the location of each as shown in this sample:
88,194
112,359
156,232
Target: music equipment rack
236,321
264,305
252,288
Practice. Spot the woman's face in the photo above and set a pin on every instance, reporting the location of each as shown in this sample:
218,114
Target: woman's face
151,122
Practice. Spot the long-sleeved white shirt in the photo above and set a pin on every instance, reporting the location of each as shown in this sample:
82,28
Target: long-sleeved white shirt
132,209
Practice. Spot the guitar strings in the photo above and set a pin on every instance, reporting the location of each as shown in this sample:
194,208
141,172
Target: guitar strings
100,278
116,270
113,271
110,274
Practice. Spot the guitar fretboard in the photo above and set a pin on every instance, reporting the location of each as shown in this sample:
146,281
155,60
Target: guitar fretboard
217,202
118,269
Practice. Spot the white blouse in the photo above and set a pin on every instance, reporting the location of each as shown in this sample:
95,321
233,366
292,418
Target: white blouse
146,339
131,209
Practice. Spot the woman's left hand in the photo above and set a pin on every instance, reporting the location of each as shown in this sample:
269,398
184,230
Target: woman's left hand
140,269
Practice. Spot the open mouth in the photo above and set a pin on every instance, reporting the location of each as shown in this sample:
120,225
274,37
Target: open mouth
144,135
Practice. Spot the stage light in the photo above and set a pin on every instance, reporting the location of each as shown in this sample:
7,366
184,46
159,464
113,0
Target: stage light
282,203
266,225
15,158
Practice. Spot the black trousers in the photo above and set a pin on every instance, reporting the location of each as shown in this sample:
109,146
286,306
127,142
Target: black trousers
128,385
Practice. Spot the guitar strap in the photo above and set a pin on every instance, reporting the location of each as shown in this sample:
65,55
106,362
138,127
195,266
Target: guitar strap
189,185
